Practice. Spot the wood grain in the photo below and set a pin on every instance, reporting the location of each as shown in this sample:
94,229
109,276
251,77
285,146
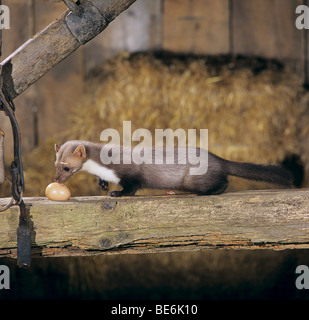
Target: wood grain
47,48
261,28
267,29
196,27
95,225
21,29
137,29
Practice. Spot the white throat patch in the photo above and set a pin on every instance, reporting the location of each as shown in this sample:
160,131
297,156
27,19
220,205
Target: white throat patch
103,173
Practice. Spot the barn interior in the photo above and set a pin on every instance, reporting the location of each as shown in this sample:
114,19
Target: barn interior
238,68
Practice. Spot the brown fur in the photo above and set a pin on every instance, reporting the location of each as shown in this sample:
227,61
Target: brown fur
74,154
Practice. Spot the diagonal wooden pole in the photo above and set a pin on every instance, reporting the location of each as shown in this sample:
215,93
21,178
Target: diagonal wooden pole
57,41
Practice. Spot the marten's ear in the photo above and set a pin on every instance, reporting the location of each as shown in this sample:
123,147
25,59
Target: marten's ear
80,152
57,148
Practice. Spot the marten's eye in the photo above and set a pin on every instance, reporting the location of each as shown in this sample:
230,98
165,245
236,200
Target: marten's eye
66,168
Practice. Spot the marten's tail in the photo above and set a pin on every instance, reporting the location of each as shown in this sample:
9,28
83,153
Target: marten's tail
272,174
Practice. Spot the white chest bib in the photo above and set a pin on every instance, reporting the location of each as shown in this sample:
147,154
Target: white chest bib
103,173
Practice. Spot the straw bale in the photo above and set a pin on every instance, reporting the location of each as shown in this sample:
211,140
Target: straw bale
252,109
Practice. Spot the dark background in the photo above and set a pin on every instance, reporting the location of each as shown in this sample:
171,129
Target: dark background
213,275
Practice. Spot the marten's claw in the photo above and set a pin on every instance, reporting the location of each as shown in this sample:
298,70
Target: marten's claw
103,184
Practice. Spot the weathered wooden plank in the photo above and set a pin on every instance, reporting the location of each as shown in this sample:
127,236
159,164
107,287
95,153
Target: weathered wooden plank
37,56
60,90
93,225
49,47
138,29
196,27
21,29
267,29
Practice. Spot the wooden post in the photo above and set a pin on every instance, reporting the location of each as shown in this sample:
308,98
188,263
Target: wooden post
57,41
95,225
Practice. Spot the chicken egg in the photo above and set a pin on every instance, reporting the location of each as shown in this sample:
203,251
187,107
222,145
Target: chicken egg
57,192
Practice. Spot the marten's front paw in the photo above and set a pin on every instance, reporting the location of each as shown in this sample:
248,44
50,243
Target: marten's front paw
115,193
103,184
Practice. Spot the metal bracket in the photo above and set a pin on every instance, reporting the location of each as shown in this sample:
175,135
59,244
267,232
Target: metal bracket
84,21
72,6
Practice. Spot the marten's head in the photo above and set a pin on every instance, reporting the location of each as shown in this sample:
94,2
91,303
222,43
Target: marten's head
69,160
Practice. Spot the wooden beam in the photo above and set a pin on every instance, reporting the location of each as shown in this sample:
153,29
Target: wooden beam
142,224
57,41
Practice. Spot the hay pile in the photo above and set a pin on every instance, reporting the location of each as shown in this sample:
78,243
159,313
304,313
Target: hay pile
251,109
249,116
